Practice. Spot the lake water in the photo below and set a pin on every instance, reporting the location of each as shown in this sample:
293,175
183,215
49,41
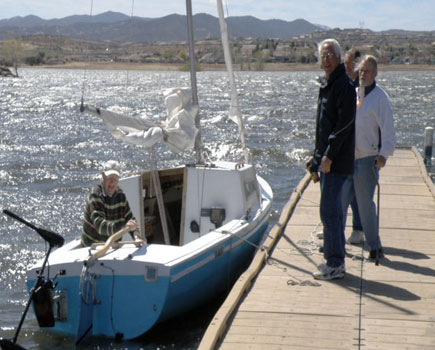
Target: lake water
50,155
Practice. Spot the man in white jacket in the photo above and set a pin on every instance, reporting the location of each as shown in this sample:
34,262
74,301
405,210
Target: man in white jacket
375,140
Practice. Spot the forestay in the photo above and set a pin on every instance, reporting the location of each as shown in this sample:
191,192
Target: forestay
235,114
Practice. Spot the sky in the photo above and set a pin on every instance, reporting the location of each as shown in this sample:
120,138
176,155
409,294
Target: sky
376,15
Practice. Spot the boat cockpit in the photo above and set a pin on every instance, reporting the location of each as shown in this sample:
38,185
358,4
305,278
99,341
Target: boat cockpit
195,200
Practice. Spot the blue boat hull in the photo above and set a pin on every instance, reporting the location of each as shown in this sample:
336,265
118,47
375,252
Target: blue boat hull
127,305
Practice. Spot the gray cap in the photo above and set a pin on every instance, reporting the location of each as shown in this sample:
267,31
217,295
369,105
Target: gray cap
111,167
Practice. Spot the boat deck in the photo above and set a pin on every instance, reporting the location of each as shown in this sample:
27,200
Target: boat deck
389,306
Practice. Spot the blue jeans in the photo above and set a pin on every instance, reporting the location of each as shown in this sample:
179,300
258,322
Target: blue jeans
356,221
362,185
331,214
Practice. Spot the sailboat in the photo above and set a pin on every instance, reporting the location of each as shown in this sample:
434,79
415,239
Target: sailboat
202,222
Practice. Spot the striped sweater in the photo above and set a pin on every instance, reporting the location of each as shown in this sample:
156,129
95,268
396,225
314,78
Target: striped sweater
104,215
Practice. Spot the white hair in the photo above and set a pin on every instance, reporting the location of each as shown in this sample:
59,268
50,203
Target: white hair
330,42
371,59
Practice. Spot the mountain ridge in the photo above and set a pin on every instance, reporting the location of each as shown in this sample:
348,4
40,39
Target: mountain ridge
110,25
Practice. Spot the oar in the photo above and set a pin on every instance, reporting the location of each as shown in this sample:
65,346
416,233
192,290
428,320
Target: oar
87,280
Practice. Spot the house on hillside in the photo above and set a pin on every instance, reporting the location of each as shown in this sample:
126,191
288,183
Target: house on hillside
248,49
282,53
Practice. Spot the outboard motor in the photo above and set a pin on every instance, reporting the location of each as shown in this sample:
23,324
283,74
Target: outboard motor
42,292
43,304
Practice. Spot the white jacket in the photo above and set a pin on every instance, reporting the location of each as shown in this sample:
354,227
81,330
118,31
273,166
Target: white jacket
374,115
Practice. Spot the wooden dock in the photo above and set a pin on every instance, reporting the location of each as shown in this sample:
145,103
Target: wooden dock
276,304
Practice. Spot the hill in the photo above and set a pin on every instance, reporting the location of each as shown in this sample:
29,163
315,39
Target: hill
115,26
114,38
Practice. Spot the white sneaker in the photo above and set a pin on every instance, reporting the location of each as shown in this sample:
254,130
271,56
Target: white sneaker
329,273
356,237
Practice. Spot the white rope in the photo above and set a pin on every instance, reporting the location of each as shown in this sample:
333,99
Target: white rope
256,246
88,286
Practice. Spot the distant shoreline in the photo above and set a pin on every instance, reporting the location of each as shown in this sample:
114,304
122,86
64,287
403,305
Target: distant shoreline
267,67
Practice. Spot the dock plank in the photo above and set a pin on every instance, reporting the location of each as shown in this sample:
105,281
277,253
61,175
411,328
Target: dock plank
390,306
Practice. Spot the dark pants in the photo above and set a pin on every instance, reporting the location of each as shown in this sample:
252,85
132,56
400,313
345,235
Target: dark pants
331,214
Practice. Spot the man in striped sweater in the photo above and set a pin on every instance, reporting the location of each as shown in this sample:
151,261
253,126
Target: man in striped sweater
107,209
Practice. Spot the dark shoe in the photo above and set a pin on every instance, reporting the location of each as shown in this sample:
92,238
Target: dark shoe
372,255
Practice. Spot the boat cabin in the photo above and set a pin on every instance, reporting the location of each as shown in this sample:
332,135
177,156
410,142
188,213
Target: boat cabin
196,200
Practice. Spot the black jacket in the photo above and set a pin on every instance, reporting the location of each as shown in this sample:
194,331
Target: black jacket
335,123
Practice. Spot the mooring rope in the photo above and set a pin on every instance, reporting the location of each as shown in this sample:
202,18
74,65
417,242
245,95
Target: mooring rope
87,286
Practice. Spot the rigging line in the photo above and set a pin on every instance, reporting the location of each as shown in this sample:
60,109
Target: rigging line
85,70
201,196
309,201
131,27
159,195
132,8
229,36
112,320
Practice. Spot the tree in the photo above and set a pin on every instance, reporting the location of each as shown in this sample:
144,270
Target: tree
13,52
413,51
259,61
168,55
182,55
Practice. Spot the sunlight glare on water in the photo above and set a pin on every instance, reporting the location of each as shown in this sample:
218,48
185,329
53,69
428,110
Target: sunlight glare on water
51,155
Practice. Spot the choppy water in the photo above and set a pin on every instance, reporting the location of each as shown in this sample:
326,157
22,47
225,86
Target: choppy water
50,155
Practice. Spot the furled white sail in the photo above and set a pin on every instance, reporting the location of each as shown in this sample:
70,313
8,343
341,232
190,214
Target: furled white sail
178,131
235,114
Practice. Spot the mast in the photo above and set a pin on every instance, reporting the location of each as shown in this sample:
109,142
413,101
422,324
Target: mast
190,38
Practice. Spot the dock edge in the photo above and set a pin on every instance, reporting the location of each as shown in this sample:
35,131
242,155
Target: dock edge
218,325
